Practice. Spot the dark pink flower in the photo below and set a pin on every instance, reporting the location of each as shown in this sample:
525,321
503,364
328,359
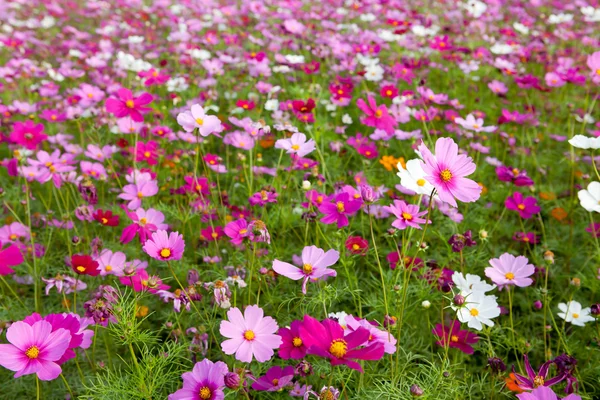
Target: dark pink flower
526,207
376,116
292,345
127,105
28,134
338,210
453,336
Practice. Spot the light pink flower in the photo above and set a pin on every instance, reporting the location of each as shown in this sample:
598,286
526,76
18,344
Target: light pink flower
297,144
314,265
197,118
510,270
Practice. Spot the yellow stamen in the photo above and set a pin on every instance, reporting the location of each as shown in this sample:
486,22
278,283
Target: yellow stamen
297,342
338,348
32,352
249,335
165,253
307,268
446,175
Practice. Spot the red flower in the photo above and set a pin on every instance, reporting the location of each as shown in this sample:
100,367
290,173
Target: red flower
106,218
357,245
84,265
302,107
389,91
245,104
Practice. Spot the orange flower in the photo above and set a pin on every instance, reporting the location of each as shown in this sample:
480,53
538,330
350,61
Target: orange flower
390,162
547,196
559,214
512,383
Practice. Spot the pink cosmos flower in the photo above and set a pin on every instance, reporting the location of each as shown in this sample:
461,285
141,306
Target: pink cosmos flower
275,380
143,186
147,152
526,207
514,175
197,118
446,171
53,116
377,116
314,265
453,336
510,270
326,339
498,87
110,263
406,214
473,124
338,210
9,257
237,230
593,62
249,335
93,170
14,232
141,281
27,134
144,223
262,198
297,144
238,139
545,393
291,345
153,77
164,246
34,349
128,106
205,382
100,153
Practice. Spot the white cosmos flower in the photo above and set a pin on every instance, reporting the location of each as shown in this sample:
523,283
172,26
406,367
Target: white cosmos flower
346,119
590,198
272,105
502,48
479,309
573,313
413,177
470,283
585,142
374,73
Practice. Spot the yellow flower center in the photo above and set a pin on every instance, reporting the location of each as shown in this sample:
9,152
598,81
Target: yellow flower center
90,95
205,393
80,269
143,221
108,268
13,236
355,247
388,92
515,171
521,206
474,312
575,315
446,175
104,221
200,121
454,338
275,382
140,195
378,113
340,206
538,381
129,104
407,216
295,147
32,352
338,348
147,154
297,342
243,231
510,276
249,335
307,268
214,235
165,253
421,182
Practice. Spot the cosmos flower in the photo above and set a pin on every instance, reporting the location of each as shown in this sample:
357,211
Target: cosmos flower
9,257
455,337
590,198
446,171
406,214
473,124
413,177
574,313
275,379
315,263
237,230
34,349
376,116
545,393
251,335
164,246
338,210
536,379
510,270
106,218
28,134
126,105
514,175
479,309
84,265
297,144
197,118
292,345
326,339
111,263
526,207
377,335
206,381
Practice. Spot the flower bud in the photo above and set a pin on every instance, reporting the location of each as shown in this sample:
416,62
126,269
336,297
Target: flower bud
549,257
304,368
595,310
232,380
368,194
576,282
459,300
496,365
425,304
538,305
416,391
306,185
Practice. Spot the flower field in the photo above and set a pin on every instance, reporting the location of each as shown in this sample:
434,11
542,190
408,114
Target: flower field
270,199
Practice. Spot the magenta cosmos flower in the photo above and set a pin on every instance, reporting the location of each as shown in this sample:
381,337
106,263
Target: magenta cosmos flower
453,336
164,246
249,335
28,134
297,144
125,105
514,175
446,171
34,349
237,231
292,345
338,210
326,339
205,382
406,214
197,118
9,257
545,393
510,270
376,116
314,265
526,207
275,379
